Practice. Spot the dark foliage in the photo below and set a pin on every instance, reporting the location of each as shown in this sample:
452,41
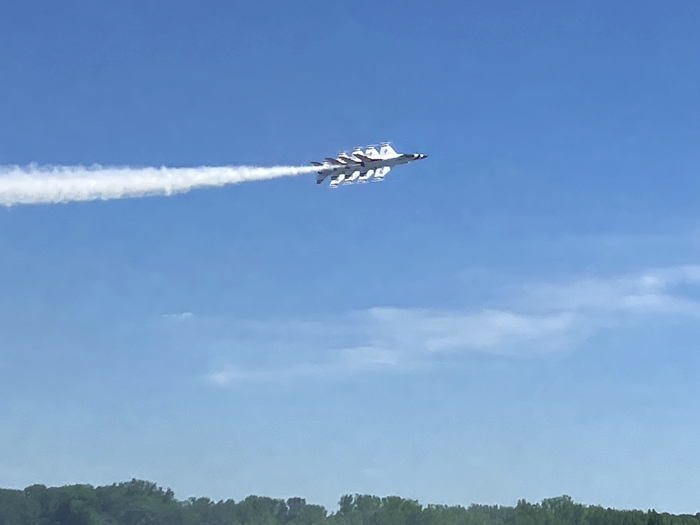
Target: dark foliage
143,503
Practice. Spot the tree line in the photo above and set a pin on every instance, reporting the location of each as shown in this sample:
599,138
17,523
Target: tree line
138,502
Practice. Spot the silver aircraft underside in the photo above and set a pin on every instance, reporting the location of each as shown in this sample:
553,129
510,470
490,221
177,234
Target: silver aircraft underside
362,166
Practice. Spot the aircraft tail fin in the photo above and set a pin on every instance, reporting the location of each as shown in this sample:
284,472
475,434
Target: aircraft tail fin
371,152
386,150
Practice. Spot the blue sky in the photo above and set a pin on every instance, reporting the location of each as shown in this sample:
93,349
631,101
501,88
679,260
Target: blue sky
514,317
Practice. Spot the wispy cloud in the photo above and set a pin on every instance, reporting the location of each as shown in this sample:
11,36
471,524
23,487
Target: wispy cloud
182,316
344,362
666,291
538,318
487,330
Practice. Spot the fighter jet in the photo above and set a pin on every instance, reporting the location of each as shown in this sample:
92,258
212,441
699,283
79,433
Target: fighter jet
362,166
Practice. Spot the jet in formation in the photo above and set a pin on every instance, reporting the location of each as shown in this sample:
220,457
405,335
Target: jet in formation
362,166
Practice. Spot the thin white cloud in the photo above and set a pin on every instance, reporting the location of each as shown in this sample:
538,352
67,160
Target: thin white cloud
182,316
494,330
346,361
539,318
652,292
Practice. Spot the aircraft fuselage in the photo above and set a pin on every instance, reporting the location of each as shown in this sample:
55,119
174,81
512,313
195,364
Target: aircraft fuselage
362,166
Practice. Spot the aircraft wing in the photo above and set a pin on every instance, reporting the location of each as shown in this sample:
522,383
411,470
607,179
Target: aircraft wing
381,172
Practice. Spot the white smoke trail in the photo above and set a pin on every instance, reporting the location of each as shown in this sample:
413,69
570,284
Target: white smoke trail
53,184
